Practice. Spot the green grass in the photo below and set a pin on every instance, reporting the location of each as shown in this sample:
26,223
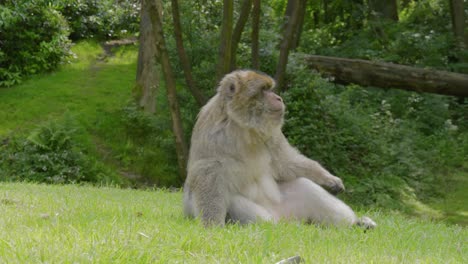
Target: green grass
93,89
81,224
454,207
82,87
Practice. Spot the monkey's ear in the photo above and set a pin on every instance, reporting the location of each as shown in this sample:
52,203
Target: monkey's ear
229,85
232,88
229,89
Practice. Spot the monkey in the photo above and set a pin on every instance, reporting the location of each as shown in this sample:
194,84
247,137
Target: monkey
242,169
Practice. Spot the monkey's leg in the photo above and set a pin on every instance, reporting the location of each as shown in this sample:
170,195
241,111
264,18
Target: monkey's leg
302,199
245,211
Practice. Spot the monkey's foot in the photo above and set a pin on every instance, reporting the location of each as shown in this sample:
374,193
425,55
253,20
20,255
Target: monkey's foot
291,260
366,223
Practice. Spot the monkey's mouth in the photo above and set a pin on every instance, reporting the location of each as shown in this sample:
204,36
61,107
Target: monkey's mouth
276,113
281,109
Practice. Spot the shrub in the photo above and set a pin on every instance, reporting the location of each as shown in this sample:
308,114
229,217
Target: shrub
33,40
385,144
422,37
142,143
100,19
55,152
84,16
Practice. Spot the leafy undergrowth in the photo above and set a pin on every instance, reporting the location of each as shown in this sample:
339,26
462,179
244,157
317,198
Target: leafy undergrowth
81,224
93,93
454,207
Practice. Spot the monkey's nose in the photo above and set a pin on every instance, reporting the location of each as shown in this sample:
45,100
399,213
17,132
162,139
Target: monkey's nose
279,98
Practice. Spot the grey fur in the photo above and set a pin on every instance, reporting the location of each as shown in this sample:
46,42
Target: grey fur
242,168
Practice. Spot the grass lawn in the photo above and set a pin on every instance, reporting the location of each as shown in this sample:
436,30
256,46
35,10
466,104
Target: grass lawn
94,90
83,88
454,207
81,224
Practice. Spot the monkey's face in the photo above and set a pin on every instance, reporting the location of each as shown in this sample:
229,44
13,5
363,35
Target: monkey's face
250,100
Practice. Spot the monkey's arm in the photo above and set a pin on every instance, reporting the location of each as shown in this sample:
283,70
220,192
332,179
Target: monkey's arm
291,164
206,195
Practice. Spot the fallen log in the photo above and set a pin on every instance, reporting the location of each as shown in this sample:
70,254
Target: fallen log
389,75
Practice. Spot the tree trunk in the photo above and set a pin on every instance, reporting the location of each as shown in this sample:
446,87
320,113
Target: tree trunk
405,3
286,42
181,146
288,14
236,35
184,61
458,22
300,22
147,77
225,47
326,15
386,9
389,75
255,32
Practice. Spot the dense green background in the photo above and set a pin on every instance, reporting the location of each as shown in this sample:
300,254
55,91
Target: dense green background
68,116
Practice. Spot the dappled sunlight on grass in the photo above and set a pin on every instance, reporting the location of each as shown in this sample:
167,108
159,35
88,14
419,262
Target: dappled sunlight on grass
84,54
454,206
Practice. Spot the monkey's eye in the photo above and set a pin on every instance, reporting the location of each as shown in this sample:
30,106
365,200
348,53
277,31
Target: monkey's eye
266,88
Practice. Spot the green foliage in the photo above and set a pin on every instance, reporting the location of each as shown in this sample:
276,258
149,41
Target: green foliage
33,40
55,152
34,34
393,148
100,19
422,37
385,144
142,144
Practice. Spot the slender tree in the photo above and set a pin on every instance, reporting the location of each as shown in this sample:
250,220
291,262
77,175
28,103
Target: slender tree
225,47
236,35
300,22
147,77
288,14
300,7
292,18
326,12
155,9
457,11
405,3
386,9
255,33
184,61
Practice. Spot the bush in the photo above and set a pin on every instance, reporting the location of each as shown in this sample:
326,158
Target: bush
55,152
142,144
100,19
387,145
33,40
422,37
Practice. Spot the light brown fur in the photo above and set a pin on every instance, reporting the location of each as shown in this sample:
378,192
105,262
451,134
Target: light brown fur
241,167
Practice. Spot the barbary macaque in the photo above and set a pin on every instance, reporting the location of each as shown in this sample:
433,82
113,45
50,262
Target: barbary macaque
242,169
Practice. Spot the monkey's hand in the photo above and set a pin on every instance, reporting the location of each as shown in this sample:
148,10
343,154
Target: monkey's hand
334,185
